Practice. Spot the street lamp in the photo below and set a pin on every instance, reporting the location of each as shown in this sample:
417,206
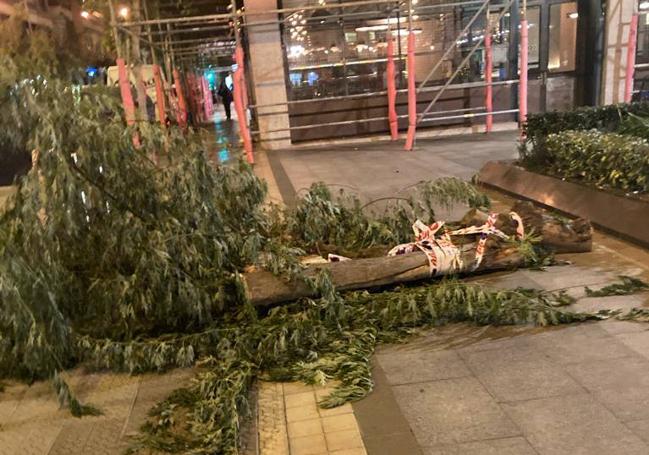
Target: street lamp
124,11
85,14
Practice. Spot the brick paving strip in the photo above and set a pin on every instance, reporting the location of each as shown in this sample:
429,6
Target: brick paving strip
291,422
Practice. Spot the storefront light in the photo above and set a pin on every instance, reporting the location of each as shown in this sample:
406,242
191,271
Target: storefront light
371,28
644,5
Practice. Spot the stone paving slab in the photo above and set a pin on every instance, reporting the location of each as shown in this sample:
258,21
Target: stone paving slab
448,365
507,446
453,411
573,424
519,375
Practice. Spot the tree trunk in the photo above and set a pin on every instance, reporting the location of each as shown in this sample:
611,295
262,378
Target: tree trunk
264,288
557,234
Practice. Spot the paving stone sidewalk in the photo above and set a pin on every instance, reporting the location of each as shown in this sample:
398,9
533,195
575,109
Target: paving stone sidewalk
577,389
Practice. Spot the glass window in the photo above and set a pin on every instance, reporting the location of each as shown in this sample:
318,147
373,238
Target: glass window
563,37
533,36
642,50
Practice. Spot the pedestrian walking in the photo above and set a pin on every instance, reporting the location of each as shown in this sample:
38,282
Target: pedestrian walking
226,97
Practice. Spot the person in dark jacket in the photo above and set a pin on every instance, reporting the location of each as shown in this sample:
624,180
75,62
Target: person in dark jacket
226,96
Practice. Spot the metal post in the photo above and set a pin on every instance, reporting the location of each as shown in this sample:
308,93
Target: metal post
460,66
209,107
125,91
412,87
522,87
113,26
127,98
182,105
240,97
160,95
630,58
240,104
171,49
513,51
399,45
392,89
488,70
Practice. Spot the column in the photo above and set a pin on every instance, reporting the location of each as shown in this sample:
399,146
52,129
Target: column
618,18
267,72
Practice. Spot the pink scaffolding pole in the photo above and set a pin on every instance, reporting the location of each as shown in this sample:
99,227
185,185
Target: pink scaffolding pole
207,94
159,95
630,58
125,91
182,104
392,90
240,101
191,97
127,97
412,93
522,89
488,70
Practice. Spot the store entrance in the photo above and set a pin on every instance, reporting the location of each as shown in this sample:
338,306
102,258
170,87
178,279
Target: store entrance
552,29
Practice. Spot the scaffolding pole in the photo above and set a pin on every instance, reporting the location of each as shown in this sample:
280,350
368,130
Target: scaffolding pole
462,64
488,75
522,87
630,58
182,105
240,96
452,47
392,89
160,95
412,87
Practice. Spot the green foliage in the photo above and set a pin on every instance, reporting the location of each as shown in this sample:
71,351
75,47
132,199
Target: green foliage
110,260
634,125
608,118
99,240
316,341
604,159
627,285
322,219
66,398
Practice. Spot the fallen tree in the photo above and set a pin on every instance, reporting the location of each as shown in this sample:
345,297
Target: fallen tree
263,288
110,261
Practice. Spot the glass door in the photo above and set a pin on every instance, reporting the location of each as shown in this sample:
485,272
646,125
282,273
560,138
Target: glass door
552,32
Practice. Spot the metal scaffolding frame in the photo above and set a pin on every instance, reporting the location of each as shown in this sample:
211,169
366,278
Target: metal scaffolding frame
232,24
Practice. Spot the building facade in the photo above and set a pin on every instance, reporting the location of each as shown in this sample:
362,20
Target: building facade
328,60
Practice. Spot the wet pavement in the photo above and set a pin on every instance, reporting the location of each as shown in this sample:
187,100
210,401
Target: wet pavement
578,389
384,169
521,390
459,389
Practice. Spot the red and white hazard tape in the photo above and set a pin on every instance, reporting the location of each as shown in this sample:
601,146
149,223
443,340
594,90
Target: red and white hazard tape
443,256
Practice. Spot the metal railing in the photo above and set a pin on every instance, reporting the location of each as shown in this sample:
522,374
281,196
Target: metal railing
236,23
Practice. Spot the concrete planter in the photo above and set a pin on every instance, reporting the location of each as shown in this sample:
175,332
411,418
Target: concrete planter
621,215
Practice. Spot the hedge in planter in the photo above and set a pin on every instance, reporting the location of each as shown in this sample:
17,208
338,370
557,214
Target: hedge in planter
612,118
605,118
605,159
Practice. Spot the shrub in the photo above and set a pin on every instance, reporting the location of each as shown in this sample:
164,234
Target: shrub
603,118
604,159
612,118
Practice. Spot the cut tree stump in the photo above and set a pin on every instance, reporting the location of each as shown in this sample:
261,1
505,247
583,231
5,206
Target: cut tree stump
264,288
